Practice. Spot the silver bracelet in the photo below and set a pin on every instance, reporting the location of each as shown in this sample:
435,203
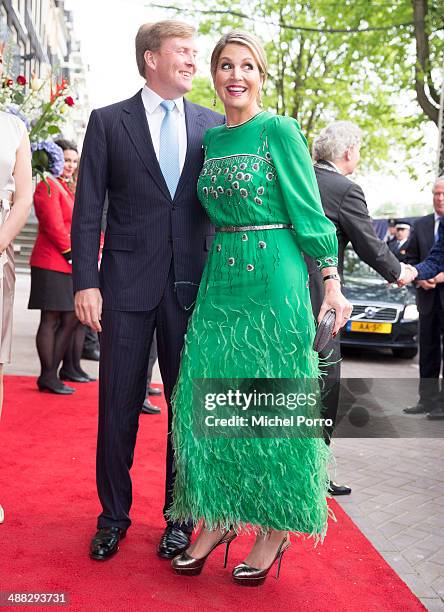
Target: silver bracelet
332,277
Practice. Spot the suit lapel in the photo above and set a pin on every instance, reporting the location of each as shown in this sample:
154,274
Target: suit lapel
136,124
195,130
430,233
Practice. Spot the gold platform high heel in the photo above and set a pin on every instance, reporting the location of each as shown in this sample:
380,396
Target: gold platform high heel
245,575
190,566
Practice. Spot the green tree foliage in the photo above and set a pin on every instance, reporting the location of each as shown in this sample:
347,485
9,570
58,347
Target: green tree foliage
377,63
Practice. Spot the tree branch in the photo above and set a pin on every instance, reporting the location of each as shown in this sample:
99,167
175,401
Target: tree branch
287,27
420,8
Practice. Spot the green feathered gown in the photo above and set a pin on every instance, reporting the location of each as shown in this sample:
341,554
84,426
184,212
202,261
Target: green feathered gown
253,319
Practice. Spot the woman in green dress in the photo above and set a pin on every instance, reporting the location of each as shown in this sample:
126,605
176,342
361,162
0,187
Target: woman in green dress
253,320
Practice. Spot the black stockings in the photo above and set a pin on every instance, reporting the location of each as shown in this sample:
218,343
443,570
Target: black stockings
71,360
53,337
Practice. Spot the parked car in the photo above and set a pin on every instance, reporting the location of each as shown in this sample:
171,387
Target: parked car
384,315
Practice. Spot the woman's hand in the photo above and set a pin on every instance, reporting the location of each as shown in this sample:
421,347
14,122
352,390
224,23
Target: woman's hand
334,298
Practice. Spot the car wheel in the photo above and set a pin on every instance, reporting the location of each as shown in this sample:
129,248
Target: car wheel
405,353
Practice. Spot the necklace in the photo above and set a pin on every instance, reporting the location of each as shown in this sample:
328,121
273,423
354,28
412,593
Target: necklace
230,127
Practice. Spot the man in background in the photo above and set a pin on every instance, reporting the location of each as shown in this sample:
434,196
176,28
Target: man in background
430,303
336,152
391,231
398,245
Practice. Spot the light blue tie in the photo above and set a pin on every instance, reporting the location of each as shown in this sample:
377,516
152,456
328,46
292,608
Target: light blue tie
169,148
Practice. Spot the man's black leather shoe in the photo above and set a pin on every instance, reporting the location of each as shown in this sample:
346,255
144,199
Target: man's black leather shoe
173,542
105,543
417,409
154,391
149,408
436,415
336,489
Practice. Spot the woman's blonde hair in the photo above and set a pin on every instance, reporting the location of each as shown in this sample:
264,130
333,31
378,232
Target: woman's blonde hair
239,37
151,36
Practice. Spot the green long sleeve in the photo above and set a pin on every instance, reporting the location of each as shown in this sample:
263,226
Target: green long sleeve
315,233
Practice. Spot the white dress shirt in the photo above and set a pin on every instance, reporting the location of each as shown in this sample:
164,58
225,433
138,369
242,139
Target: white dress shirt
155,114
334,166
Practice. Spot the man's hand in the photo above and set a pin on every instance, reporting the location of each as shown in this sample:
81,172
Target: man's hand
88,306
426,284
439,278
409,274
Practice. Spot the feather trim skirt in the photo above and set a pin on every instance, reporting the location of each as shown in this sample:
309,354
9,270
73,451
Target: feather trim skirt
245,327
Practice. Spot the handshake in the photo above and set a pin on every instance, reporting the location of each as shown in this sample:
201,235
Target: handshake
408,274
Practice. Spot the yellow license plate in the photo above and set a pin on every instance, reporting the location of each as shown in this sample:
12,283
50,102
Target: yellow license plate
372,328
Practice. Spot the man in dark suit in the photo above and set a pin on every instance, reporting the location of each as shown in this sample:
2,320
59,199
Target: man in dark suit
336,155
430,302
146,152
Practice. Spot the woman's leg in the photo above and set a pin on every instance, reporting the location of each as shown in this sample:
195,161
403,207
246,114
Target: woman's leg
77,348
63,337
68,357
71,359
204,542
264,551
54,334
45,341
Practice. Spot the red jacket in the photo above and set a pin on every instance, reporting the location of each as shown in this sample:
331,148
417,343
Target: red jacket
54,212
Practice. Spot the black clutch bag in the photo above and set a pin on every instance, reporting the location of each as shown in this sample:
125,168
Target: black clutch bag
324,331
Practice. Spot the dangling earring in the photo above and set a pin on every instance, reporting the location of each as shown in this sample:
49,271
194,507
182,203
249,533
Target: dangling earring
259,98
214,99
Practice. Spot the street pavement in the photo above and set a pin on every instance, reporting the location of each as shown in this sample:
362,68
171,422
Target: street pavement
398,483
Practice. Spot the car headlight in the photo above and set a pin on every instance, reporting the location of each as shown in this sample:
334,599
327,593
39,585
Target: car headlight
410,313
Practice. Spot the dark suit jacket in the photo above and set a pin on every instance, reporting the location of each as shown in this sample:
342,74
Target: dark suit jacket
146,230
419,249
344,204
396,250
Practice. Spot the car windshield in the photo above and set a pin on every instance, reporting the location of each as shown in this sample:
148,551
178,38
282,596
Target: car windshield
356,270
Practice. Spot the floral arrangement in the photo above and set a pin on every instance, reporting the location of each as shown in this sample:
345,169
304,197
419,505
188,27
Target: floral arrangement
42,107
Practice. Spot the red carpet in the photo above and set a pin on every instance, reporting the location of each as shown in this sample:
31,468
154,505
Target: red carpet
47,487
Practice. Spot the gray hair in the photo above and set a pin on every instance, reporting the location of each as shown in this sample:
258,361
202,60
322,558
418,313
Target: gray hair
334,140
439,179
